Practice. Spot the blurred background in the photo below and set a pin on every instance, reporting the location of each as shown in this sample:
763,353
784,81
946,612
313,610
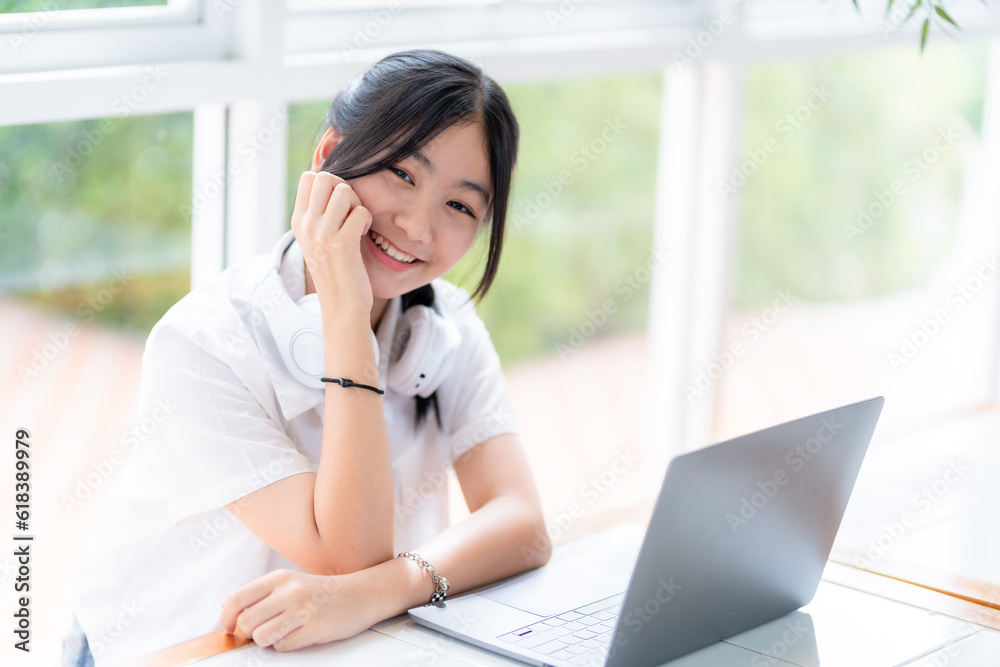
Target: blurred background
725,215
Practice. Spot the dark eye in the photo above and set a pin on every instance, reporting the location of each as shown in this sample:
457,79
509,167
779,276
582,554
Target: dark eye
461,208
402,174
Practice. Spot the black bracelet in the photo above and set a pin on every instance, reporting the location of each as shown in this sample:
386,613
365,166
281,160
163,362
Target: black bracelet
344,382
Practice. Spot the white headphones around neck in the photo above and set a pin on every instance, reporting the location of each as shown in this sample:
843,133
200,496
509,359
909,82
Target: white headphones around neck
422,353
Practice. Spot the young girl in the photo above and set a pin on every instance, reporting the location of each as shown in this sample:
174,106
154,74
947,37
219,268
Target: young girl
307,404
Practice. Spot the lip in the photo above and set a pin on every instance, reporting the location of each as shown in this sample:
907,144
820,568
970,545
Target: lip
387,261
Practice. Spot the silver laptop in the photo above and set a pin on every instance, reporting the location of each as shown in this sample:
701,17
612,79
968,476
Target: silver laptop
739,536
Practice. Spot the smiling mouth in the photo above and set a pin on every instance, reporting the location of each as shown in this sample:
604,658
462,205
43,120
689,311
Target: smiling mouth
389,250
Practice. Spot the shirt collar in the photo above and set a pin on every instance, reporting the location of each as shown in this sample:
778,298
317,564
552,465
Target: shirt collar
285,283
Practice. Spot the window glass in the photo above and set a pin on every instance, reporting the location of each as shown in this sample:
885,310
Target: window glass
87,201
568,309
12,6
94,248
865,262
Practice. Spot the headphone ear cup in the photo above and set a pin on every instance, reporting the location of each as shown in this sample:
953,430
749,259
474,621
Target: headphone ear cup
423,352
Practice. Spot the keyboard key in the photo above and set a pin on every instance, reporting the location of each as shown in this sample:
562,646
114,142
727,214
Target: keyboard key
554,621
551,647
537,639
588,660
603,615
574,626
576,649
561,632
590,620
563,655
592,643
601,605
570,616
584,634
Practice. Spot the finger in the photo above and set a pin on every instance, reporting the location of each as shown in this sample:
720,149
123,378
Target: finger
275,629
322,188
358,222
341,202
256,615
296,639
244,597
302,193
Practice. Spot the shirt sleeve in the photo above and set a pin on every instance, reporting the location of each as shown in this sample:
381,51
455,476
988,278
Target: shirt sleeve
481,408
216,442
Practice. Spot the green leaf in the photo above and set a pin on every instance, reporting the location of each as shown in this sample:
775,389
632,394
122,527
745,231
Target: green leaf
859,8
913,10
923,34
943,14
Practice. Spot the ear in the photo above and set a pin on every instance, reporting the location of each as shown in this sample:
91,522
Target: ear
326,145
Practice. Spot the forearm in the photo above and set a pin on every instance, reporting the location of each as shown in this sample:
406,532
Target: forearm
503,537
353,497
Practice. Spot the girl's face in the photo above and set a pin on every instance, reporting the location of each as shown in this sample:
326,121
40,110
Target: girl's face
426,210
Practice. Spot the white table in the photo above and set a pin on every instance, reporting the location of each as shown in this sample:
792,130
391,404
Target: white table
841,626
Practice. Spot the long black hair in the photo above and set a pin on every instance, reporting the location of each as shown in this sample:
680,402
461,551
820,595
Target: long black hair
402,102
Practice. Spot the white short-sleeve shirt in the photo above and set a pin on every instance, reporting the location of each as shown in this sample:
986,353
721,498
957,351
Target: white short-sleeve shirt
226,418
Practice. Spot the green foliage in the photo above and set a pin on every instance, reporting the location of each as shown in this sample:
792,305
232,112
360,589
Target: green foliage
11,6
933,12
83,200
566,260
119,206
801,224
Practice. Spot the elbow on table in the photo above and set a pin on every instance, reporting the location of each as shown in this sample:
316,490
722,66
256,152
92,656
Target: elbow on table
340,563
538,551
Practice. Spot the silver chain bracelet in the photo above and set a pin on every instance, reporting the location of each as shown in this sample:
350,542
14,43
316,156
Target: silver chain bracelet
440,583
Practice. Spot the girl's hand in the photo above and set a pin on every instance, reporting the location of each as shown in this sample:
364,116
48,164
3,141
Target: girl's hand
290,610
329,222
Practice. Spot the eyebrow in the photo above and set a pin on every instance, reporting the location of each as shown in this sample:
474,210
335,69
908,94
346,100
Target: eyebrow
463,184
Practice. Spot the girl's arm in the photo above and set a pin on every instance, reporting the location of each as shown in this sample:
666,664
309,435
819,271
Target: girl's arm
339,519
504,534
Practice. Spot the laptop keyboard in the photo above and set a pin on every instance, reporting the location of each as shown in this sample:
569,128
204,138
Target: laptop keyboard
580,637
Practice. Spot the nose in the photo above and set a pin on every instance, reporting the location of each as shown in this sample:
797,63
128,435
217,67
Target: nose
415,221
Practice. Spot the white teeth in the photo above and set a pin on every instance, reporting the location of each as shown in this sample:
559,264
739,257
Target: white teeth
398,255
